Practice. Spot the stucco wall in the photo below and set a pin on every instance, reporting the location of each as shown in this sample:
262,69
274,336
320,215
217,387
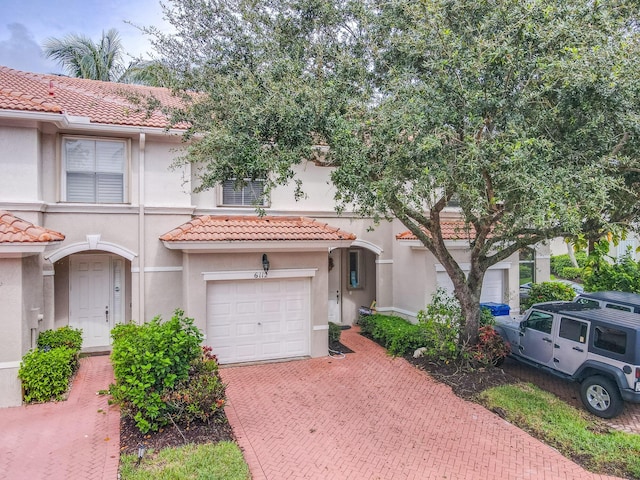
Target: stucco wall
19,159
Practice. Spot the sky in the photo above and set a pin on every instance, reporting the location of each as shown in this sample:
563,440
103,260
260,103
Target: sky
26,24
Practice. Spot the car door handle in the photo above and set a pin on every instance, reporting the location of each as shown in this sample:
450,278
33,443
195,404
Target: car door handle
578,349
548,340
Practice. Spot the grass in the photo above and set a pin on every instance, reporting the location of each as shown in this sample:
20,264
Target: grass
220,461
567,429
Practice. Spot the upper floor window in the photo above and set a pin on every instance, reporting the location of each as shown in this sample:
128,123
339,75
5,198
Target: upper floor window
249,194
94,171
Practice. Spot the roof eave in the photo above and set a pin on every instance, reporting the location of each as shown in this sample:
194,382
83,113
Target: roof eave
242,246
23,249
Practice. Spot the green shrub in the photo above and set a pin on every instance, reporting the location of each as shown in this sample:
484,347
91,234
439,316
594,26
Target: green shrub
148,361
486,317
45,374
560,262
334,332
440,323
199,397
62,337
547,292
624,275
396,334
572,273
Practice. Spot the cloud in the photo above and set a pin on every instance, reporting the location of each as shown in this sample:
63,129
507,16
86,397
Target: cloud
22,52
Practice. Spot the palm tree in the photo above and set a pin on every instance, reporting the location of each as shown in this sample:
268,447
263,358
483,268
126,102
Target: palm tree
82,58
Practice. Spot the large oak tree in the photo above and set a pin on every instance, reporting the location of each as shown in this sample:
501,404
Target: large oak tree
523,111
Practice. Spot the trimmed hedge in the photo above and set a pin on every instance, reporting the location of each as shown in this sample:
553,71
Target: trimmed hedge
334,332
396,334
62,337
45,374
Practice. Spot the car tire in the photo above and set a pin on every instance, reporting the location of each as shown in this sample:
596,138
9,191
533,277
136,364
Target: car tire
601,396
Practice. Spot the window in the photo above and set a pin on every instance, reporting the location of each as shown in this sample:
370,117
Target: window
573,330
613,306
588,302
527,263
354,279
249,194
540,321
94,170
610,339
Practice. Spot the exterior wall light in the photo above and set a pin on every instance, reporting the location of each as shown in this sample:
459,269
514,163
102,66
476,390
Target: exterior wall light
265,263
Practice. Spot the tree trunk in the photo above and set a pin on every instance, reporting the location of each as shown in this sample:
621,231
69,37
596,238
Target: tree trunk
572,255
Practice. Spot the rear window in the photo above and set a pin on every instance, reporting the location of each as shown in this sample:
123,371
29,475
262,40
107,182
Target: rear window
573,330
610,339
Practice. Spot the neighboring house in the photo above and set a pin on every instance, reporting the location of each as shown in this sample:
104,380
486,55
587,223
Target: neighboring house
97,228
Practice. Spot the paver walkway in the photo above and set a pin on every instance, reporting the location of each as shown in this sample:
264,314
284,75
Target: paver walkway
78,439
369,416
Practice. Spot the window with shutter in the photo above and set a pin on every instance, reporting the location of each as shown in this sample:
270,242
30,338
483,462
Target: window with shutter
249,194
94,170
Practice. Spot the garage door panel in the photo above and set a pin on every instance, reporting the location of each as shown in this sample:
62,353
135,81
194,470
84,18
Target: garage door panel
258,320
492,286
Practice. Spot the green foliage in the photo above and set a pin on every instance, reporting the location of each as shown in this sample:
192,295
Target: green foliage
219,461
150,360
199,397
440,323
560,262
45,374
62,337
571,273
334,332
396,334
547,292
623,275
486,317
570,431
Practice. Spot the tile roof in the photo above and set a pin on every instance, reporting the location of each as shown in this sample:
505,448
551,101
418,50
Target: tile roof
102,102
451,230
16,230
222,228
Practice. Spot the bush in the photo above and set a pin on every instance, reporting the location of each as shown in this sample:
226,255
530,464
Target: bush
334,332
45,374
560,262
624,275
548,292
491,348
440,322
62,337
150,360
396,334
572,273
201,396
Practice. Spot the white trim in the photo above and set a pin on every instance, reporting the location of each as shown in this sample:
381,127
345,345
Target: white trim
259,274
4,365
467,266
49,273
93,243
384,262
26,249
135,269
160,269
453,244
317,328
243,246
368,245
399,310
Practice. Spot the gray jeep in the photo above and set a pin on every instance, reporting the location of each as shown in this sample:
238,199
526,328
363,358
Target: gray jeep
597,347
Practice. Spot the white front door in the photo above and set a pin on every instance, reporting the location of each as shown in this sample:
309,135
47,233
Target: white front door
335,290
249,320
94,279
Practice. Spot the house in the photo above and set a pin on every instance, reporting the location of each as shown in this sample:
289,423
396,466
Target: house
98,226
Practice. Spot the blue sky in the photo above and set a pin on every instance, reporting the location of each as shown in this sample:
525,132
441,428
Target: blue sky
26,24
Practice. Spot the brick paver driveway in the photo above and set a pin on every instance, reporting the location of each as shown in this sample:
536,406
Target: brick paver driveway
369,416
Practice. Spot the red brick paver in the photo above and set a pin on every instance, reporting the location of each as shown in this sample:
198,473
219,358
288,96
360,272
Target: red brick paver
369,416
78,439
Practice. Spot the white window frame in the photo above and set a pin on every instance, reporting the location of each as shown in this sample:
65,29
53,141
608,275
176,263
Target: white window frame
222,203
125,173
359,270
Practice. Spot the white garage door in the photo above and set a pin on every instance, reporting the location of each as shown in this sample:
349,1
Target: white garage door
249,320
492,286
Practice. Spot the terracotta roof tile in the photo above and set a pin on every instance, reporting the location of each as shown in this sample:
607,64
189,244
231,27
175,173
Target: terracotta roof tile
102,102
16,230
451,230
221,228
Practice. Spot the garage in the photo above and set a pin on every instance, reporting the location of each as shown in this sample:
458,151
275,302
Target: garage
492,286
258,319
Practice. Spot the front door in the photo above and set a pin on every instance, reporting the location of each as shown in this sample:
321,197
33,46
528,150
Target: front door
335,292
96,281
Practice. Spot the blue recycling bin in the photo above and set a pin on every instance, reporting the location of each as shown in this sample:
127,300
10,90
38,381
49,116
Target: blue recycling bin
496,309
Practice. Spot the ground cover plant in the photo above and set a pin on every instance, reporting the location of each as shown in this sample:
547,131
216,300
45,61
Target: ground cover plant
571,431
547,292
220,461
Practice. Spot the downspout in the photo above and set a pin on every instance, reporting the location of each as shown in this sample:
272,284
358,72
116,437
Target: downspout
141,228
